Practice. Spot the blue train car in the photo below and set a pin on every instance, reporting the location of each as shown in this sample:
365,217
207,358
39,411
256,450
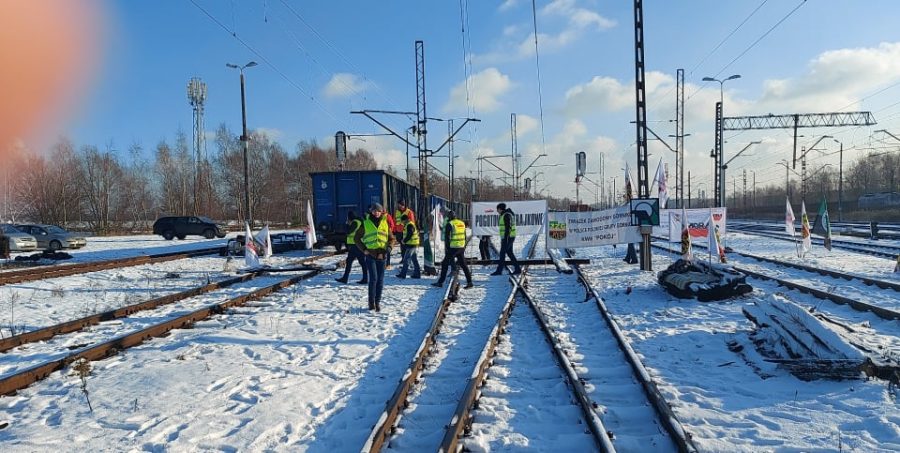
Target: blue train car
337,193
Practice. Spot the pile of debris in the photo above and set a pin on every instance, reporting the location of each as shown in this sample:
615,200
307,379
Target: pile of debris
795,339
45,255
704,281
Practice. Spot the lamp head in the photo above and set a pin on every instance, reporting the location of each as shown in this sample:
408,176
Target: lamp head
232,65
709,79
732,77
253,63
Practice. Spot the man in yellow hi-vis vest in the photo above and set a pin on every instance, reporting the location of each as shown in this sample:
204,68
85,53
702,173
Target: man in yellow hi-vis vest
409,243
353,253
507,238
454,249
372,240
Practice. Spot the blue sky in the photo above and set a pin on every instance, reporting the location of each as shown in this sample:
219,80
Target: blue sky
320,60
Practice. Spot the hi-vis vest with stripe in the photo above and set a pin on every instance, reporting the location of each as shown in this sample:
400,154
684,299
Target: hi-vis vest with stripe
375,237
414,238
512,225
457,234
354,225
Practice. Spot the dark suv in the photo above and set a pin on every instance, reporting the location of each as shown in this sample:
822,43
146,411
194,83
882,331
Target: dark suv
182,226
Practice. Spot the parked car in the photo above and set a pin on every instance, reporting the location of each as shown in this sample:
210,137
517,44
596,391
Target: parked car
281,243
18,241
53,237
183,226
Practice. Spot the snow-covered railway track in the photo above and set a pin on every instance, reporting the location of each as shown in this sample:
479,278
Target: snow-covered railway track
75,325
24,366
415,417
827,272
431,409
620,404
880,251
65,270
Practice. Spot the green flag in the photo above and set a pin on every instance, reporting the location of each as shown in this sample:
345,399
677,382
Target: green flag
822,226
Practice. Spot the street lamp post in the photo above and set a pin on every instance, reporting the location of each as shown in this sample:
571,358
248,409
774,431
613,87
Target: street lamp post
721,157
244,139
803,164
840,182
787,176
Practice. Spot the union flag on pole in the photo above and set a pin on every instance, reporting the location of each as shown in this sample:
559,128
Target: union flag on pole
822,225
686,252
804,229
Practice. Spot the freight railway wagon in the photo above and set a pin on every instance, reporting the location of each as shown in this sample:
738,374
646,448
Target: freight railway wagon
336,193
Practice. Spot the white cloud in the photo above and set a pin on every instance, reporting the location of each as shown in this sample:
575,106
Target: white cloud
577,20
601,93
609,94
273,133
345,84
485,89
525,124
508,5
578,17
836,80
546,43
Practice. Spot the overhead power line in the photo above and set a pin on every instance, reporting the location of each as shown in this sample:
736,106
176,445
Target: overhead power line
267,61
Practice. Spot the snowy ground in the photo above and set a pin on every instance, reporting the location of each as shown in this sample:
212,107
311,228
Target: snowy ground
112,247
308,369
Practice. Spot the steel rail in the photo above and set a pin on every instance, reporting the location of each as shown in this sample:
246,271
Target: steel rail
65,270
12,383
386,423
830,273
75,325
594,422
461,422
881,312
839,245
670,422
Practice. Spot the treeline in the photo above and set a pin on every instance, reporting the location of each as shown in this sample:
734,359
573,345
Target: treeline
868,174
111,190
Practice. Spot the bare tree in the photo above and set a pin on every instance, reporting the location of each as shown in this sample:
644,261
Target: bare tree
135,203
102,173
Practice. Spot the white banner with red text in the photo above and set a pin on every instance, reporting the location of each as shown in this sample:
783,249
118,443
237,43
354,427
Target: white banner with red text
592,228
697,221
531,217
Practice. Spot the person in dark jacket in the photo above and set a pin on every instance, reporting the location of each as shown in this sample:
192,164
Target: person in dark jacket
353,224
409,242
507,238
4,246
454,249
372,241
484,247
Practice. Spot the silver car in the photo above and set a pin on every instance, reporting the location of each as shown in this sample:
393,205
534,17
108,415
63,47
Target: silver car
53,237
18,241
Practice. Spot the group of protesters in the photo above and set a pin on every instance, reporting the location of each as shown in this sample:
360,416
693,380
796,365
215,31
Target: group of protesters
370,239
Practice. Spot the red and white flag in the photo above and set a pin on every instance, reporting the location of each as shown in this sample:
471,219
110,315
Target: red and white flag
264,238
251,254
789,218
663,191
